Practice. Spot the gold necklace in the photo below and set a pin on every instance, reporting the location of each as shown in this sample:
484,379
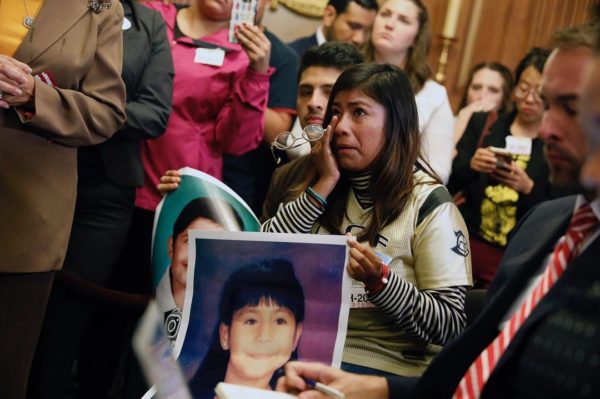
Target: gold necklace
28,20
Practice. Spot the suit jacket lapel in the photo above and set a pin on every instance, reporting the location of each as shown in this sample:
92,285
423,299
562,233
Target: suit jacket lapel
54,19
578,277
583,270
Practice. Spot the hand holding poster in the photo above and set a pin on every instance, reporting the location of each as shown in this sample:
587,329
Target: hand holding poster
200,202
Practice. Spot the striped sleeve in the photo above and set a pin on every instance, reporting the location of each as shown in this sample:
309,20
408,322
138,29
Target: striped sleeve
433,315
297,216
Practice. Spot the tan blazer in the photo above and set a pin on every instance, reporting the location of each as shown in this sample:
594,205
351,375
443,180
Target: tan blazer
38,158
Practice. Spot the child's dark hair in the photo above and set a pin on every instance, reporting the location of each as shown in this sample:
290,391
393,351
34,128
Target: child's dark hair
272,280
203,208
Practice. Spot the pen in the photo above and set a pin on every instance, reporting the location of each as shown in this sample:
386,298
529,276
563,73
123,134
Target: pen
325,389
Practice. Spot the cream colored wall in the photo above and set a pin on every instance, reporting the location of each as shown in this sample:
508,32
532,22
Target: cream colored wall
288,25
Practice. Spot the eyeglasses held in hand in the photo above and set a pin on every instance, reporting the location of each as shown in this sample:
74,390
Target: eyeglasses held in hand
287,140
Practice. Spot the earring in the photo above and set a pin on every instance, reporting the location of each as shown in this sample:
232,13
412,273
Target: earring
225,345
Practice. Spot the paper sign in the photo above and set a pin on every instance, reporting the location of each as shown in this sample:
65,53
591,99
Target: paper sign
518,145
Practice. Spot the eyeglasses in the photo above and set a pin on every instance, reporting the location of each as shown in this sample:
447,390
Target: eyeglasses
522,91
287,140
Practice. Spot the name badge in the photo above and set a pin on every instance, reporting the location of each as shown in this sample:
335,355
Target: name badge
210,56
518,145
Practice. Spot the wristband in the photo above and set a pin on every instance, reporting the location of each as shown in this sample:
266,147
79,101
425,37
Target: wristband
381,283
316,196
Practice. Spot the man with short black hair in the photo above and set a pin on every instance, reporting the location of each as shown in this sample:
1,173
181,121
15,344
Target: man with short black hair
319,69
346,21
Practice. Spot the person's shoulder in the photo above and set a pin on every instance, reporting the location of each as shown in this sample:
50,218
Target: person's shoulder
283,53
148,18
301,44
428,195
544,215
297,166
432,93
553,207
302,40
113,11
432,87
144,12
425,185
273,38
160,7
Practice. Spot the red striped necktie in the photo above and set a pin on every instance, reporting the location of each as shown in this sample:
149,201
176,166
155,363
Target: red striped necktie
583,223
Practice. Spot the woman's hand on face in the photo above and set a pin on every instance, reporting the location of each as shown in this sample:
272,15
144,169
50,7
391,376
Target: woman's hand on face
479,106
514,177
16,82
324,160
364,265
256,45
483,161
169,182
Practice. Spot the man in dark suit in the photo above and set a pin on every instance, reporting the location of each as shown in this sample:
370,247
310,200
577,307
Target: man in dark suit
347,21
538,324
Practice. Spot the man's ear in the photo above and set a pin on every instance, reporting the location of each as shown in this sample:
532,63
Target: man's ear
329,16
297,335
224,336
170,247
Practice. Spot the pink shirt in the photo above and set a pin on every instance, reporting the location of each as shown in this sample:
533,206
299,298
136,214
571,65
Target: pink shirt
215,110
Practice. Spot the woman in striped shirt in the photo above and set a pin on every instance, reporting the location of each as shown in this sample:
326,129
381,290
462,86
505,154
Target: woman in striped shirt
410,260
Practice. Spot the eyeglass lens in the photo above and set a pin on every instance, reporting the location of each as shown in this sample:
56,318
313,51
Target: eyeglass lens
286,140
313,132
523,92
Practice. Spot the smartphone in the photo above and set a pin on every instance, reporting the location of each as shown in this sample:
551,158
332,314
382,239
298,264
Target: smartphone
503,156
241,11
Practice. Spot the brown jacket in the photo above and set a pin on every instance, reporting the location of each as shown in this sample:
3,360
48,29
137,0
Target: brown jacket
38,158
284,178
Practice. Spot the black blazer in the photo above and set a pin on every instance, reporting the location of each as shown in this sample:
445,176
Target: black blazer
533,241
148,76
304,43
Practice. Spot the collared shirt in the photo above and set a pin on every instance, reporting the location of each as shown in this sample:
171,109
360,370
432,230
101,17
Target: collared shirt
12,28
169,310
320,36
